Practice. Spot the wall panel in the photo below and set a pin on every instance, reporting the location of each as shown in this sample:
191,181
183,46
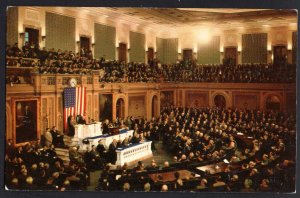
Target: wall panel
291,102
209,53
60,31
137,106
12,26
167,50
159,49
246,100
254,48
105,42
137,47
197,99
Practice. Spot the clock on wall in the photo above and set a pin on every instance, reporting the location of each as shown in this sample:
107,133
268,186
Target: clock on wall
73,82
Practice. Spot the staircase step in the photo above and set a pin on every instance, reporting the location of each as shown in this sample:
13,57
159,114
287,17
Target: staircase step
63,154
71,141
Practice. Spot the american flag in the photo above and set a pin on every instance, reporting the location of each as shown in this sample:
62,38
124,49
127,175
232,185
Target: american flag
74,102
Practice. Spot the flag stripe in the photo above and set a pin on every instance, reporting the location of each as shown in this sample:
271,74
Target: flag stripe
82,102
76,106
74,103
79,100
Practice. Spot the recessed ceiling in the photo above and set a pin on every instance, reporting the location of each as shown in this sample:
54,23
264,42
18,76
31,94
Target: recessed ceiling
198,16
176,19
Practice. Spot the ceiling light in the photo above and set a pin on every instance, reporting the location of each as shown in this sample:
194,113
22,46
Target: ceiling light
204,36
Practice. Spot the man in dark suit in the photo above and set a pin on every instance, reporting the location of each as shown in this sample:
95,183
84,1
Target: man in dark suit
58,139
101,149
71,126
80,119
135,139
105,127
112,152
89,159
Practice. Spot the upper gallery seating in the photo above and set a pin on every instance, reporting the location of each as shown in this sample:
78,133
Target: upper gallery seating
68,62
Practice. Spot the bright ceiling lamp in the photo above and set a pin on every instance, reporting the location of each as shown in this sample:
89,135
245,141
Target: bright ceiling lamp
204,36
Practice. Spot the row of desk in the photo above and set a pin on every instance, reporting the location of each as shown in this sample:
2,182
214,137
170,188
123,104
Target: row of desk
88,130
93,133
107,139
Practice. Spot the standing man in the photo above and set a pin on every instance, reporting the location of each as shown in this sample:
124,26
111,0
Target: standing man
112,152
71,126
101,149
48,137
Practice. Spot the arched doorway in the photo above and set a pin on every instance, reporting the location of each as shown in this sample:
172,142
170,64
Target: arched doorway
120,107
273,103
154,106
220,101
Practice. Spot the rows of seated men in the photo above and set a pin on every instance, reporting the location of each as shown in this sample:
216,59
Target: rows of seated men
97,156
115,71
190,128
31,50
245,73
198,137
267,160
273,133
66,62
248,176
37,167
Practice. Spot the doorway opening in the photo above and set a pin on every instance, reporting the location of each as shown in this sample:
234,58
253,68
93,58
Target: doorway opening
122,52
220,101
120,107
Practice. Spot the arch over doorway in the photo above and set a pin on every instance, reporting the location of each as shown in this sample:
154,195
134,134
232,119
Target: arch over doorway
220,101
120,108
273,103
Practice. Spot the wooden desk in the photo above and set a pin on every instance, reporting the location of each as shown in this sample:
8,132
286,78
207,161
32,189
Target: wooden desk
217,167
169,176
247,140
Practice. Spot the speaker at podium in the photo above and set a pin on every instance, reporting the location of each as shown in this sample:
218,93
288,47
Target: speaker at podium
113,130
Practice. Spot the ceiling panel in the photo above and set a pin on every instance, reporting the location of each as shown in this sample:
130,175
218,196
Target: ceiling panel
170,19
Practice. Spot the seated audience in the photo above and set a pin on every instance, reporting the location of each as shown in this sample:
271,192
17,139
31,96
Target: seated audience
67,62
196,137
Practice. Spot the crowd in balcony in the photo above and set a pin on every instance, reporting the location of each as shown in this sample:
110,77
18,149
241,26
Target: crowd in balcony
67,62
